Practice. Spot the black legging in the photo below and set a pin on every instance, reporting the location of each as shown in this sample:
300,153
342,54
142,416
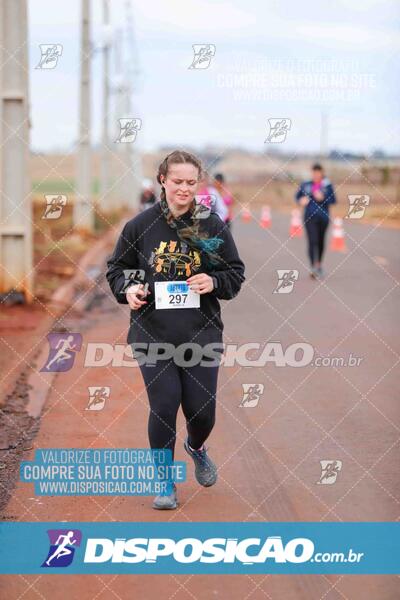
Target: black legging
316,229
169,386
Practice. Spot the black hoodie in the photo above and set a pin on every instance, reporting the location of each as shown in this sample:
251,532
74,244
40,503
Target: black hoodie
148,243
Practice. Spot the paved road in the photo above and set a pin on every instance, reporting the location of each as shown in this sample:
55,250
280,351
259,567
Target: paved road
268,455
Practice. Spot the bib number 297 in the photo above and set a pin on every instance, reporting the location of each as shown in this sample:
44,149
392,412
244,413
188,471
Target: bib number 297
175,294
177,299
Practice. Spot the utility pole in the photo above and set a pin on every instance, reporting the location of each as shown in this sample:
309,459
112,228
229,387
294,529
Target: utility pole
124,191
105,202
15,190
83,215
133,158
119,191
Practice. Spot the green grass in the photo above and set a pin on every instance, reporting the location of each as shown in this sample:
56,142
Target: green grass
60,186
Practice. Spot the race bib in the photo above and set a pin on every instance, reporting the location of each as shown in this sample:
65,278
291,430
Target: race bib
175,294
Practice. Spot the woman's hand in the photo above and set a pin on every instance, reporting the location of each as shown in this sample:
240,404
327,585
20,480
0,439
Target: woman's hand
132,295
201,283
304,200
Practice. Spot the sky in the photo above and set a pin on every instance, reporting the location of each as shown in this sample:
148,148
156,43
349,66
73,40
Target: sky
311,62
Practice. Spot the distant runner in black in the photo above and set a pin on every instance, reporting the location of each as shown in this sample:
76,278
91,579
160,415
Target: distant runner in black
316,195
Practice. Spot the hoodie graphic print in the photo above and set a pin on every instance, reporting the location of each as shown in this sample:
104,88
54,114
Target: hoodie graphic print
149,244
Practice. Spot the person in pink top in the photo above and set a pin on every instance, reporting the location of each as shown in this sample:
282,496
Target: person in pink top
210,196
219,182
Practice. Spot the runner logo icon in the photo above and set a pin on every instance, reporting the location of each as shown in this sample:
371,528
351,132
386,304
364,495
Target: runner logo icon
62,547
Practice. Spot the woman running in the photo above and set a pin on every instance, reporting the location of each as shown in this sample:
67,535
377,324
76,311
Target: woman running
173,242
316,196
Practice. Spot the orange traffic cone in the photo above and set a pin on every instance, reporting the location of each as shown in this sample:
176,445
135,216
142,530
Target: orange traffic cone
265,217
296,229
337,240
246,215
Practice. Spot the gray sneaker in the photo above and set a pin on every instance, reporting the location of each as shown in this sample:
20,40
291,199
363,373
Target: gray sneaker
166,501
205,469
320,272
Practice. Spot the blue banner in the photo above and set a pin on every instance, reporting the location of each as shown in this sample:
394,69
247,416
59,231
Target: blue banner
215,548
